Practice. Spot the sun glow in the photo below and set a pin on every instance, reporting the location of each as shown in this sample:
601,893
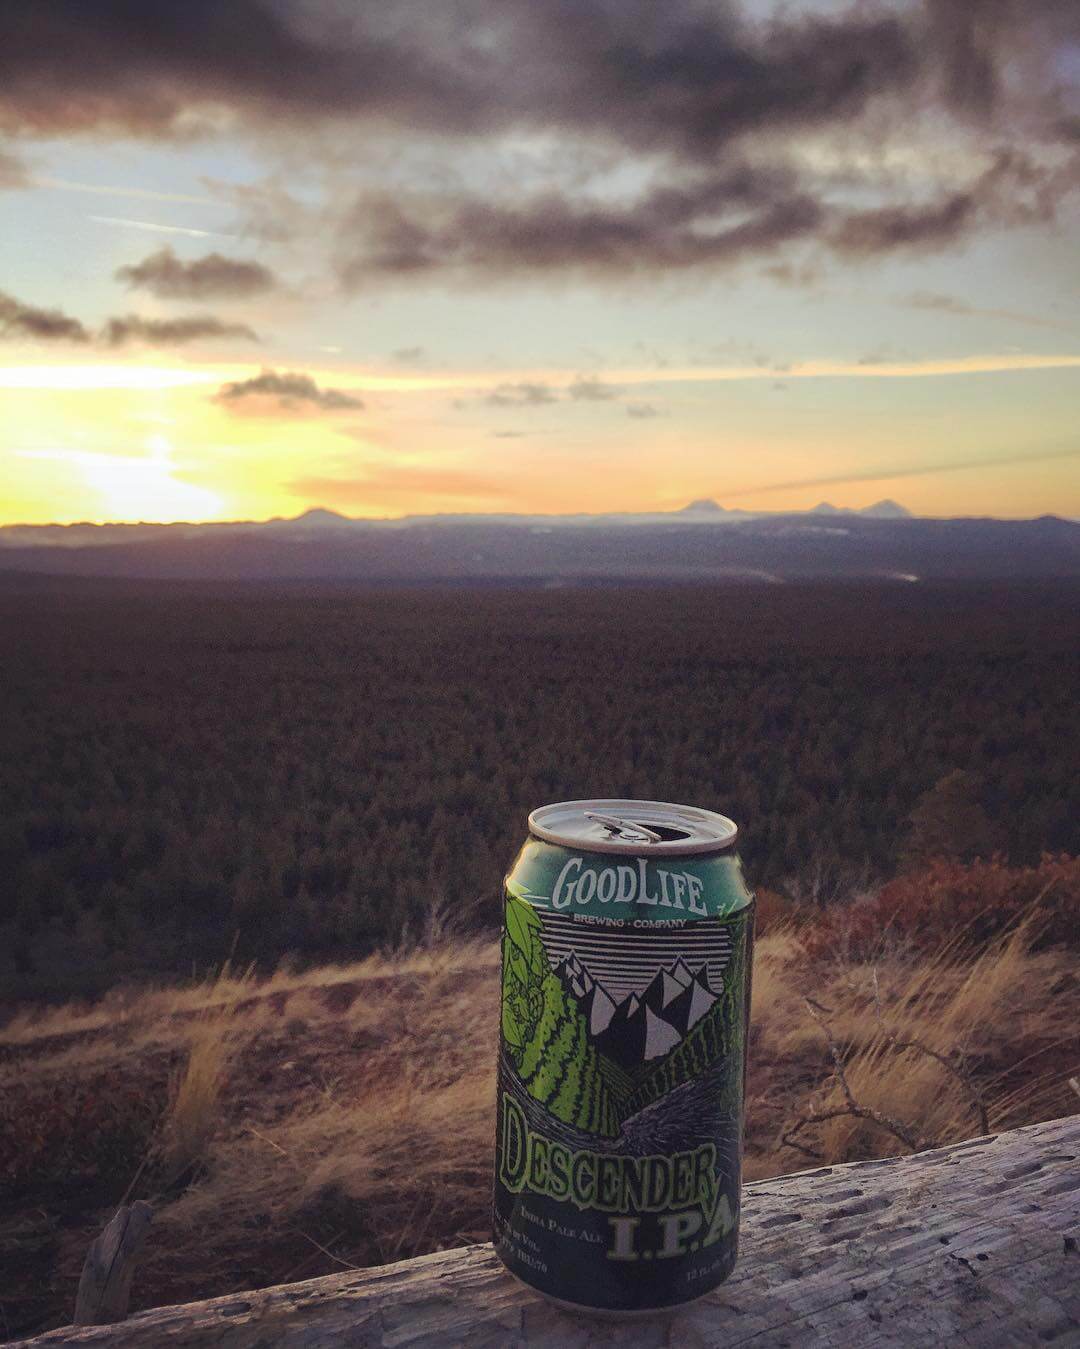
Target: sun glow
142,488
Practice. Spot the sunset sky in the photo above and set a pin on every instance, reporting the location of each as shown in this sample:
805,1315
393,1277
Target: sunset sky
537,255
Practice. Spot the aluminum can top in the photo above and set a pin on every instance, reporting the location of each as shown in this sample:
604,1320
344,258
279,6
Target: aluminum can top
642,828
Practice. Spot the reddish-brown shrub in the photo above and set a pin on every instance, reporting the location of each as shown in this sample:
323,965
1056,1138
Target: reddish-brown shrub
773,911
952,902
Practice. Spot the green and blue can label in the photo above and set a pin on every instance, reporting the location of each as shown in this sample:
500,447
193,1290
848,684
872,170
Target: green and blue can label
625,988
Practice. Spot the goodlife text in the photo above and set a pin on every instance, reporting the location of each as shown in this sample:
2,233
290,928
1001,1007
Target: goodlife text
627,884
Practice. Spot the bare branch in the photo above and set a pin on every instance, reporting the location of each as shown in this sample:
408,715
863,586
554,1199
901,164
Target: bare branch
853,1107
957,1068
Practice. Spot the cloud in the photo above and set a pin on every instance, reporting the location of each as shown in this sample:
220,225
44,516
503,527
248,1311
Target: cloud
13,172
589,389
20,320
642,411
945,304
888,228
509,435
520,395
408,355
170,332
715,217
684,77
214,275
885,354
804,274
46,325
715,111
289,391
688,217
266,209
951,304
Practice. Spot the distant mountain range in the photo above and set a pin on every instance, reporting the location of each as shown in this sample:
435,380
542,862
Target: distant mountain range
703,541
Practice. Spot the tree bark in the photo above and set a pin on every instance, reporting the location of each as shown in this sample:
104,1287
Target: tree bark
973,1244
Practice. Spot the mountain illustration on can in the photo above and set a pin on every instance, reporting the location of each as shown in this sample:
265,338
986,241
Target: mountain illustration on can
625,989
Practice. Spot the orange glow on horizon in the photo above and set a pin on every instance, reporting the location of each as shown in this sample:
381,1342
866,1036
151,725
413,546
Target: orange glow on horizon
106,442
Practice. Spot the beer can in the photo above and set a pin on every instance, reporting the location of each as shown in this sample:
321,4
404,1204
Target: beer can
626,955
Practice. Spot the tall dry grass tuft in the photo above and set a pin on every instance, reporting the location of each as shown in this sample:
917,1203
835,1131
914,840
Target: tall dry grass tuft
914,1040
195,1090
771,990
389,1157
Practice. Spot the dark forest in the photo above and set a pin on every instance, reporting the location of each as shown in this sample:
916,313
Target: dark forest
191,771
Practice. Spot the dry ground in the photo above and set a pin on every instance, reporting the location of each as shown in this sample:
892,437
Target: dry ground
287,1126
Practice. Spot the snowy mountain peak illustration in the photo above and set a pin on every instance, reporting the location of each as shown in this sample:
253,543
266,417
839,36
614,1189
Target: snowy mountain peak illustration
600,1009
681,971
660,1036
596,1003
671,988
639,1028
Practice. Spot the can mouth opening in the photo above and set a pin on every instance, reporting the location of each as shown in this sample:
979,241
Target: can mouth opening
668,833
631,830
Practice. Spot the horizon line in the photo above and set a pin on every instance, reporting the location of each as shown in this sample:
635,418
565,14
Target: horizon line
833,511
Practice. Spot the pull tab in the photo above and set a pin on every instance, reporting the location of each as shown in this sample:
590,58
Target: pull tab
628,829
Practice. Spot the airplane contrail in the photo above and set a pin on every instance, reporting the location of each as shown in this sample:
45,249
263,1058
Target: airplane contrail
911,471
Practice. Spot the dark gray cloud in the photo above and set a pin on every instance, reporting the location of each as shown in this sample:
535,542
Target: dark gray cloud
888,228
520,395
118,332
1016,189
710,100
21,320
975,42
685,76
152,68
715,217
589,389
45,325
642,411
289,391
213,275
408,355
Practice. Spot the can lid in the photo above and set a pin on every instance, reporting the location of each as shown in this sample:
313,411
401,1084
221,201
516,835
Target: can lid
615,825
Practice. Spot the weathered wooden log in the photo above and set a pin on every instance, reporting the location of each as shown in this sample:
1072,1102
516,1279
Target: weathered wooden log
105,1285
974,1244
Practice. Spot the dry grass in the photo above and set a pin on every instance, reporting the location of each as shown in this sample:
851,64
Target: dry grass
220,990
345,1115
215,1034
933,1043
911,1016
